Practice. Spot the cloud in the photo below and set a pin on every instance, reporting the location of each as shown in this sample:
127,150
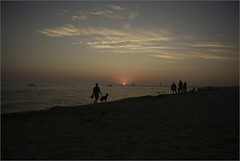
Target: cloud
127,40
209,55
115,7
66,30
108,35
210,44
216,57
191,55
225,51
167,56
158,42
79,17
109,12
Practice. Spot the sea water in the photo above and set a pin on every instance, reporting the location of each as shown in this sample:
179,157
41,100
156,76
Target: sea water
27,98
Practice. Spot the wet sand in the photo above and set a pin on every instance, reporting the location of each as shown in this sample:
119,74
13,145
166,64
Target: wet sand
203,125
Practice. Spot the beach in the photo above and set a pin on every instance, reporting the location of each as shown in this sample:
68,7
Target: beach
202,125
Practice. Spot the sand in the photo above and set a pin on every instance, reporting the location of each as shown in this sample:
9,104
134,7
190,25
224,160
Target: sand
203,125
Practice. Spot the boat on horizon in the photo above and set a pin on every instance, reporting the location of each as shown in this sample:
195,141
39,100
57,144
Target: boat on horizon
31,84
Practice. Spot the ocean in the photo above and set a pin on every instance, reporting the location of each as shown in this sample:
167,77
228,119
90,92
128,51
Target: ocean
30,98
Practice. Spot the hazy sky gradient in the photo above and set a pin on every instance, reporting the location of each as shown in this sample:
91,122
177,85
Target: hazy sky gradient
115,42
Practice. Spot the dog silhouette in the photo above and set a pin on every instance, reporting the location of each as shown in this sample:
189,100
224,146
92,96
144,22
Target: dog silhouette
104,98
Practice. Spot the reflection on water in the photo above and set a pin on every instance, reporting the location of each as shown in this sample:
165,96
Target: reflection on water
21,99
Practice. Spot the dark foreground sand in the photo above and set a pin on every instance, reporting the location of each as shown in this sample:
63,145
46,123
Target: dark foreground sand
203,125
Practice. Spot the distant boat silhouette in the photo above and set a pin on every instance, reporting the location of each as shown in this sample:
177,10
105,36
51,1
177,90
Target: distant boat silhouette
31,84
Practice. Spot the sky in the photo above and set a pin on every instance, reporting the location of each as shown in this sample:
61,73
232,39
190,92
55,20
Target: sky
111,42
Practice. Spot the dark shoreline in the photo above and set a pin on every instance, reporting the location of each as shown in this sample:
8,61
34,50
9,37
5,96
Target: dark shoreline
203,125
123,99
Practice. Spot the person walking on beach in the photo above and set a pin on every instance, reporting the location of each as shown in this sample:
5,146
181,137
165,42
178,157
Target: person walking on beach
185,87
96,91
174,88
180,86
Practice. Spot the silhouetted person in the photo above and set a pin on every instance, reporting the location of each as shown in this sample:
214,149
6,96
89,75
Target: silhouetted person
180,86
185,87
96,91
174,88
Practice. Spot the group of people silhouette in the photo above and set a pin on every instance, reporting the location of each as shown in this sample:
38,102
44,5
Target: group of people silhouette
182,87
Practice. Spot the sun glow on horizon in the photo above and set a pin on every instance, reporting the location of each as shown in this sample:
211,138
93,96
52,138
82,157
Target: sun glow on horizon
121,43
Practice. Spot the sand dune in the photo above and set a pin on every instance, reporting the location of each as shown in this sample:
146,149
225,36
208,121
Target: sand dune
203,125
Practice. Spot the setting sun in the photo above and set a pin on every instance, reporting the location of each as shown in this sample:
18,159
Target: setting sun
120,42
119,79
